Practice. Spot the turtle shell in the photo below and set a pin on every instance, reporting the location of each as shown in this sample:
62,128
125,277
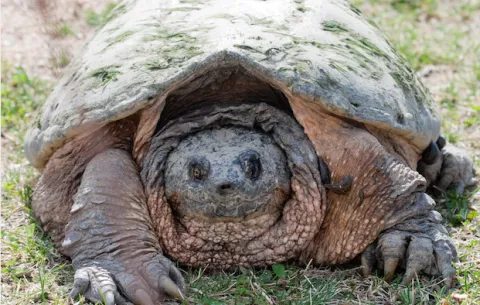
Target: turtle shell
323,51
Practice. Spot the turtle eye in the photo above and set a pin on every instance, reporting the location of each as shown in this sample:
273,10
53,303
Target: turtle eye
197,173
250,163
199,168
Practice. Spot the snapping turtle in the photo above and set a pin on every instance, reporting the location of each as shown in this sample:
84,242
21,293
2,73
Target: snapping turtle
245,134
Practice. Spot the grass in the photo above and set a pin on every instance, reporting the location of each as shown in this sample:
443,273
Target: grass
60,59
457,208
430,35
266,286
21,96
32,270
61,29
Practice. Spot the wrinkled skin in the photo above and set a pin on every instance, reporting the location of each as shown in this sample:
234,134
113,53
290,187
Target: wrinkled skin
283,219
243,186
110,239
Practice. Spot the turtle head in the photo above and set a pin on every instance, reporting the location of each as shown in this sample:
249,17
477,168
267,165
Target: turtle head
233,185
228,172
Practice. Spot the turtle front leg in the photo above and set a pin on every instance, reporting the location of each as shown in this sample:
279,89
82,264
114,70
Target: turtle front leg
110,237
384,213
421,243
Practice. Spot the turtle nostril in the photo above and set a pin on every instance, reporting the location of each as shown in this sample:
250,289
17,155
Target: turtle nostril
224,188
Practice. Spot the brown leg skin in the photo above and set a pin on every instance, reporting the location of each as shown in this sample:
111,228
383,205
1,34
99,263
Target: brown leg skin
53,196
385,214
110,237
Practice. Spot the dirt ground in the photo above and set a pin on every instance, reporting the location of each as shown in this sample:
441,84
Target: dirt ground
32,34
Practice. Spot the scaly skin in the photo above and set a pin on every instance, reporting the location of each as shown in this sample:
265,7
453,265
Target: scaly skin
262,238
385,215
53,195
110,237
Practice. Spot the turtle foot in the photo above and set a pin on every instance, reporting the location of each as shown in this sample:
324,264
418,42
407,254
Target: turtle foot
454,170
417,245
457,170
151,282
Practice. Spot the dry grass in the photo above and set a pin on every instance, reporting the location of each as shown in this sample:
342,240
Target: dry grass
439,38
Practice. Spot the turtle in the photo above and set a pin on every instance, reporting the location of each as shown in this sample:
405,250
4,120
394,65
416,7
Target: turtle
206,133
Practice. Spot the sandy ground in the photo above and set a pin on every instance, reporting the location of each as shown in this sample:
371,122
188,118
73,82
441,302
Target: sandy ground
31,33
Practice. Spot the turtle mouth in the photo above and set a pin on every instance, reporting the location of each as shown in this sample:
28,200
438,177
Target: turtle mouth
227,226
236,210
285,227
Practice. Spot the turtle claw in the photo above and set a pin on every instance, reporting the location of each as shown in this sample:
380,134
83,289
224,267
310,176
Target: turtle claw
390,250
423,256
419,258
419,245
368,260
431,154
390,267
453,170
146,281
170,288
97,285
445,253
160,279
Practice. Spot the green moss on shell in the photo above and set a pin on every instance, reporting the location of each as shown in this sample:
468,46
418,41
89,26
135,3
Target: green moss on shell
302,9
105,75
184,9
333,26
225,16
38,120
247,48
191,1
355,9
158,64
119,38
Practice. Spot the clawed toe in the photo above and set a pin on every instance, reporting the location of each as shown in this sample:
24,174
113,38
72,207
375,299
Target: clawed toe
165,278
419,258
152,280
390,250
97,285
414,252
